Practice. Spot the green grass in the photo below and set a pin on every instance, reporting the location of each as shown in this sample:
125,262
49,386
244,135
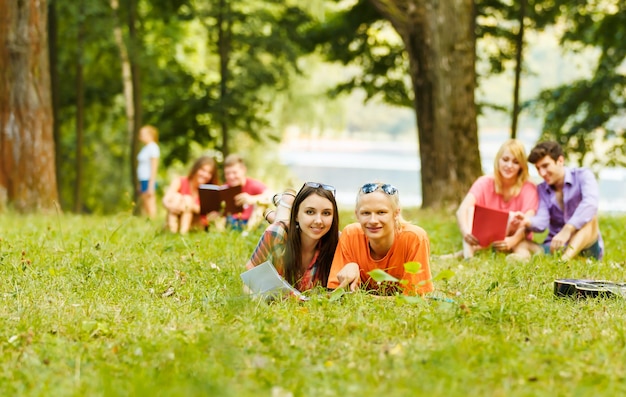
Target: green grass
86,308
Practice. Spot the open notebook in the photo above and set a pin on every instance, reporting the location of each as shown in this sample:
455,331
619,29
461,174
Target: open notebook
264,281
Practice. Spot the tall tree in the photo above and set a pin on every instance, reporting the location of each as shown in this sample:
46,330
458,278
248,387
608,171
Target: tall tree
503,24
439,54
54,86
519,50
80,109
135,72
130,96
224,24
27,168
439,39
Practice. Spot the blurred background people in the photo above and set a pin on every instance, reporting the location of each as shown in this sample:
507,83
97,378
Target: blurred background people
182,201
147,166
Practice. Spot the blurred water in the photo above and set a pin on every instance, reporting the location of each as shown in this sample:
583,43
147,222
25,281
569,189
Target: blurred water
347,165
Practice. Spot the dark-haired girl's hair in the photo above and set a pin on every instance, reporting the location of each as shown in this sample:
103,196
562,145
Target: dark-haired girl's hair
293,265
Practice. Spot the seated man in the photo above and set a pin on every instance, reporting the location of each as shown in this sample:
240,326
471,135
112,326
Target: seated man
252,190
568,205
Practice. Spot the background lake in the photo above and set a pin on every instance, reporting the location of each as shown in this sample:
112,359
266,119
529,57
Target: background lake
348,164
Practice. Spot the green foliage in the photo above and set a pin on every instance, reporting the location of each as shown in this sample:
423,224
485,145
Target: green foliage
103,144
113,306
498,24
252,53
178,65
358,35
381,276
582,113
177,54
578,113
412,267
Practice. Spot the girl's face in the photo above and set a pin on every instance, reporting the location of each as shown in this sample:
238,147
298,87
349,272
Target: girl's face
315,217
204,174
145,136
508,166
376,215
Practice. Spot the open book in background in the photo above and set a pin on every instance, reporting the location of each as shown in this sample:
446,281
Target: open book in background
212,197
264,281
489,225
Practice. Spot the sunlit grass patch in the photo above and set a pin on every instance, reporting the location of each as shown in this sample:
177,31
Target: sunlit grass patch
116,306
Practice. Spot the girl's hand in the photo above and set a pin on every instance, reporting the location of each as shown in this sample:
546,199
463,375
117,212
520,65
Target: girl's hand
517,219
470,239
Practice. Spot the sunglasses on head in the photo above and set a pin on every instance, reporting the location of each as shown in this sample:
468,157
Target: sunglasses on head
316,185
372,187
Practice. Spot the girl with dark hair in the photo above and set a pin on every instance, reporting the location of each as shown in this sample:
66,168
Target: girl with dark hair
181,199
302,250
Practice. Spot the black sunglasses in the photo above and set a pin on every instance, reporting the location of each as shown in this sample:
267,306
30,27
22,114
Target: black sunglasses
372,187
316,185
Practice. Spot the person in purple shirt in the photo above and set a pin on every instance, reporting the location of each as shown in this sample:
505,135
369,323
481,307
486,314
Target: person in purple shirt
568,205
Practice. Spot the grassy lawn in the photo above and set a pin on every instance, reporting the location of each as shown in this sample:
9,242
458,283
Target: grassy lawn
113,306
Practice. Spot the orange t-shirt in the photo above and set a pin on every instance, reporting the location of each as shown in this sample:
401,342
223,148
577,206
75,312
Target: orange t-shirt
410,245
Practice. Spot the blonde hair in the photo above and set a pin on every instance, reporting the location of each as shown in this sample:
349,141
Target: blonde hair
153,131
516,148
394,200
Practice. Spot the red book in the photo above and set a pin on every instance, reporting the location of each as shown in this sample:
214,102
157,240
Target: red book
489,225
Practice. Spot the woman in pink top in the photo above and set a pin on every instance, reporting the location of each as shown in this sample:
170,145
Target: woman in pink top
181,199
507,190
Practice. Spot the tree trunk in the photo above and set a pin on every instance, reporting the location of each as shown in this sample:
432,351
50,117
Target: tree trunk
128,89
223,45
136,88
80,112
519,42
440,42
27,169
54,87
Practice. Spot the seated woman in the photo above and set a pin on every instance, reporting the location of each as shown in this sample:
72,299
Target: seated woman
381,239
302,250
507,190
181,199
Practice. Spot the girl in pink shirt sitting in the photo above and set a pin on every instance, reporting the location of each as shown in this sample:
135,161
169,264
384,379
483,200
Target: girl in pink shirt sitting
508,189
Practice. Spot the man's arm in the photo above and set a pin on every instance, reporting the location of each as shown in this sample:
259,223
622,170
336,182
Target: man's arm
584,212
541,220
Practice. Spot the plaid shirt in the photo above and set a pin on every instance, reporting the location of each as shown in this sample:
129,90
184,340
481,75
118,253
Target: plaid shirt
272,246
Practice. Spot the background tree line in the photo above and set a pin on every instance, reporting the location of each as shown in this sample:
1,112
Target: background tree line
218,75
